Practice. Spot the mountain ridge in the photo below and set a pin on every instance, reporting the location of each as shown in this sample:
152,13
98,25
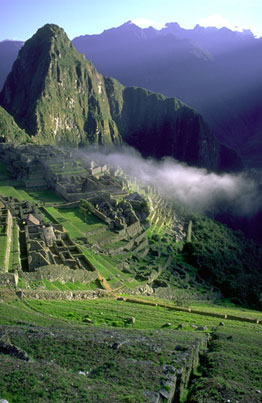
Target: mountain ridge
213,70
59,98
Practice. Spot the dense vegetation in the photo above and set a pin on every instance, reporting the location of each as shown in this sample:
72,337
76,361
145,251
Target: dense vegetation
226,259
9,131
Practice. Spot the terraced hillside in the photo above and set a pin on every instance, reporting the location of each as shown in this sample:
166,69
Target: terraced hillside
103,350
86,215
102,275
94,220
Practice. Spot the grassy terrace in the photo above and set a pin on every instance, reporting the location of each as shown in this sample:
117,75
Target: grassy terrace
46,196
65,339
32,196
57,285
114,313
20,194
74,222
108,269
3,240
221,307
63,345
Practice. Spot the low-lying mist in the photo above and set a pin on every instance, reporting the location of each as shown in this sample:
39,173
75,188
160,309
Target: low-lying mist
196,188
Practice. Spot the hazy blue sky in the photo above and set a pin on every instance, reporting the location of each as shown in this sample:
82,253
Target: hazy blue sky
19,19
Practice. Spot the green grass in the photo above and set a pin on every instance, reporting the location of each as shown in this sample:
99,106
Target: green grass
147,316
108,269
3,240
57,285
227,308
61,341
231,370
20,194
74,221
45,196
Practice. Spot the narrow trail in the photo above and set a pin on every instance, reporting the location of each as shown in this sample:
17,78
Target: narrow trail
104,282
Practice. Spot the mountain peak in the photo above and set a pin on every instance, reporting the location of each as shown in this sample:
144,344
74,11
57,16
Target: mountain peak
54,93
50,28
48,32
172,25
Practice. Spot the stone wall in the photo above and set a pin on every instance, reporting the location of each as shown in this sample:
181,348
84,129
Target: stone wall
133,229
60,273
9,239
62,295
8,279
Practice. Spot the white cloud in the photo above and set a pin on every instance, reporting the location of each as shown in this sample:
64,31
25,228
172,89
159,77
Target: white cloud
193,187
217,20
145,23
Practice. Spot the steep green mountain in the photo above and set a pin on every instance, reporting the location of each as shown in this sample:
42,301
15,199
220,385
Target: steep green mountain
59,97
9,131
54,93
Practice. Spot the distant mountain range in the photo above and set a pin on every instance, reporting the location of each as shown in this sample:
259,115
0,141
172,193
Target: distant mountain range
8,53
58,97
216,71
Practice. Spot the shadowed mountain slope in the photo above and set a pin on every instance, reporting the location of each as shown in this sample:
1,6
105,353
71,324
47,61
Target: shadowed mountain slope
216,71
60,98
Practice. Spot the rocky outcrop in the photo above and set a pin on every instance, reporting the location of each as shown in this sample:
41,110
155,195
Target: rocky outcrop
13,351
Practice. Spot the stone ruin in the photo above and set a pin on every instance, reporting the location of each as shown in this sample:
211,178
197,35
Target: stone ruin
96,188
40,243
72,176
118,214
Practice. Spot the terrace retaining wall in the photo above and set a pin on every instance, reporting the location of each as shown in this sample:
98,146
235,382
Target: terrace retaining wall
59,273
61,295
9,240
